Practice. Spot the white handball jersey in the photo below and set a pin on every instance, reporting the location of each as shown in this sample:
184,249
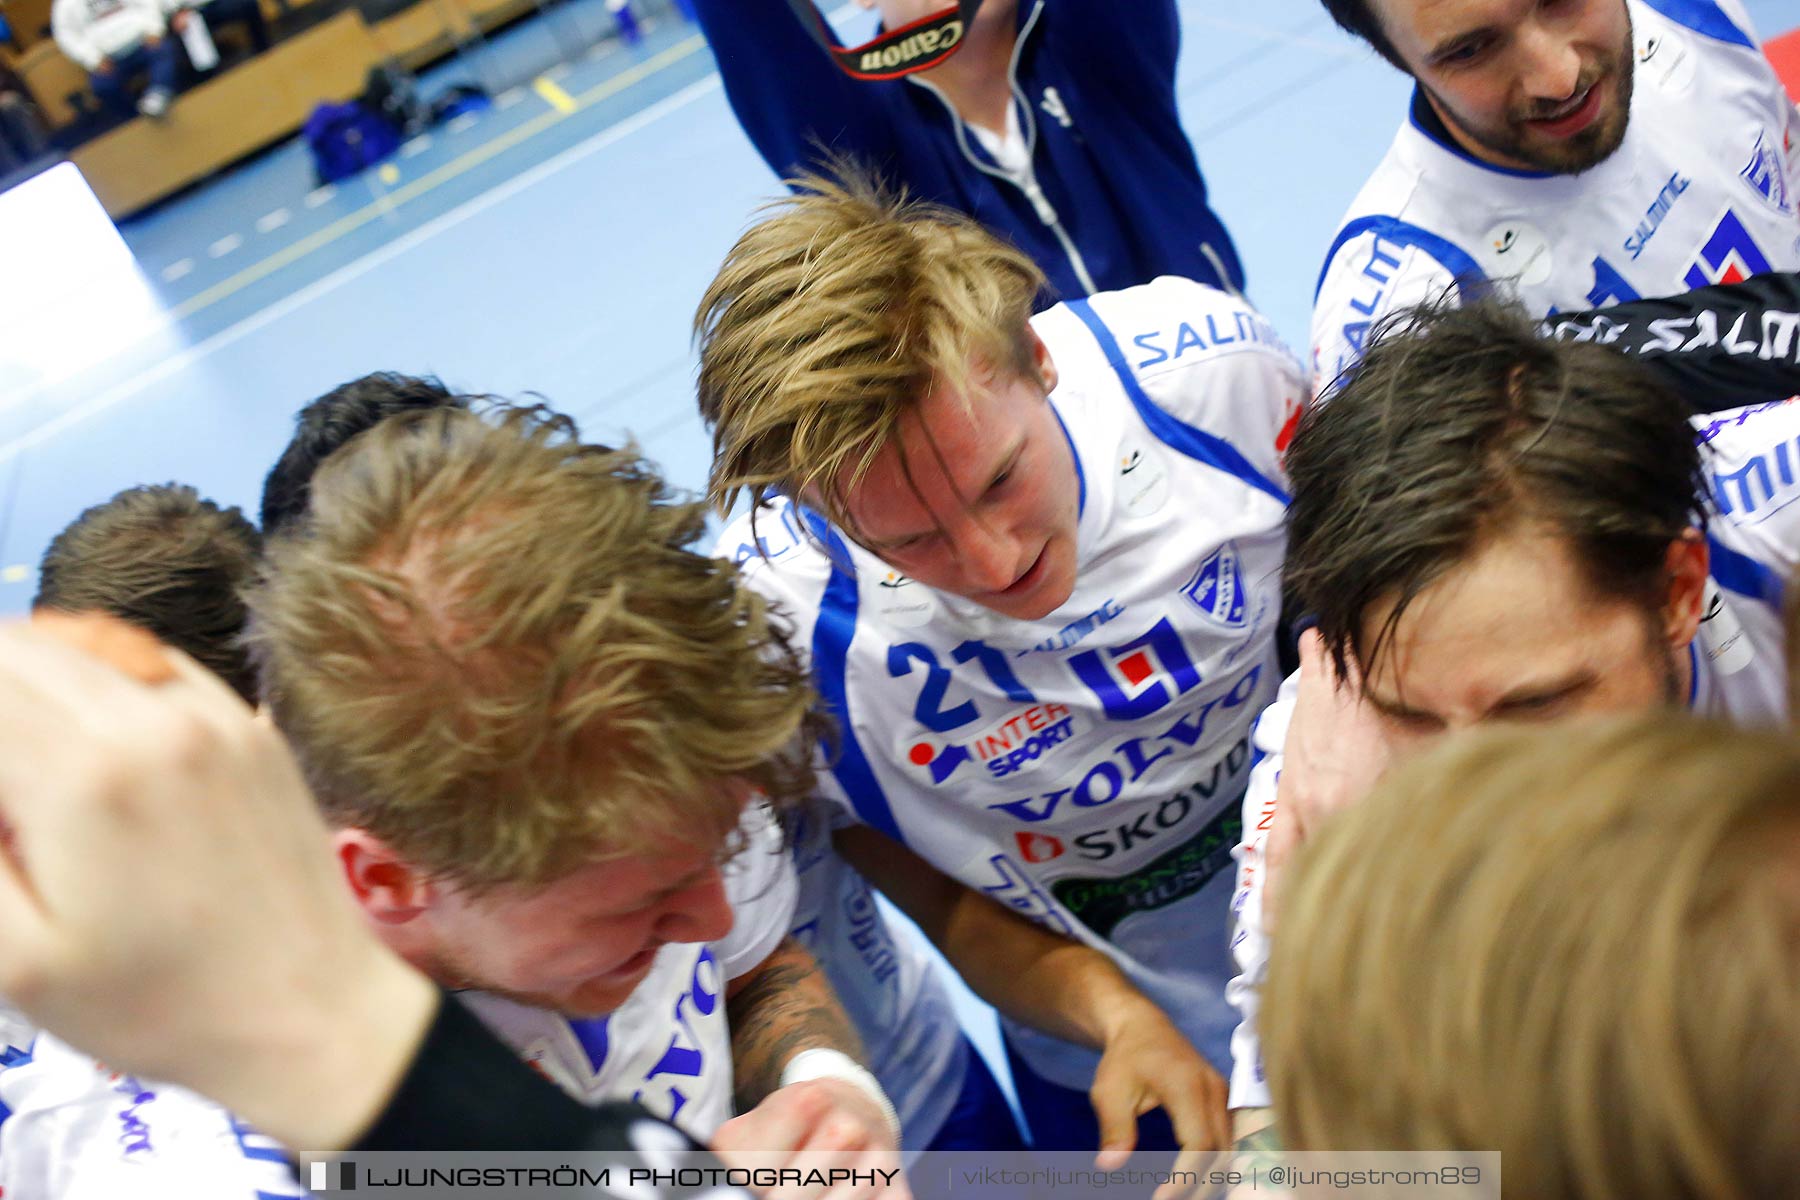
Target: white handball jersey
887,983
1703,190
1739,662
1084,768
72,1128
668,1047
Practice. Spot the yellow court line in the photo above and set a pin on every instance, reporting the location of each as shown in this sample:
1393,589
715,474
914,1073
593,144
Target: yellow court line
554,96
450,170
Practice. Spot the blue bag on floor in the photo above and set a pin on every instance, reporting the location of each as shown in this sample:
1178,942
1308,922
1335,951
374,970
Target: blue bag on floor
345,138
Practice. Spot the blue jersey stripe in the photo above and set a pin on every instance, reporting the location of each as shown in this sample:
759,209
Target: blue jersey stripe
832,635
1450,256
1744,575
1080,472
1702,16
1197,444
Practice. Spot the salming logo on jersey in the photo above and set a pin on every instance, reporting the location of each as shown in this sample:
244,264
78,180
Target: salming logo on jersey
134,1127
1654,216
776,534
869,934
1213,332
1765,481
1078,629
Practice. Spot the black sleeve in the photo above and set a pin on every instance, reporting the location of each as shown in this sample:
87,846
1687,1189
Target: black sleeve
467,1091
1725,346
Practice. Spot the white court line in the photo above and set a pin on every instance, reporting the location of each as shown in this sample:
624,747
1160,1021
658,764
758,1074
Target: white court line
463,123
288,305
270,222
225,245
178,270
417,146
320,195
506,100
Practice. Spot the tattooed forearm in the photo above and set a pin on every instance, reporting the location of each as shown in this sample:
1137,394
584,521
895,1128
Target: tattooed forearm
783,1007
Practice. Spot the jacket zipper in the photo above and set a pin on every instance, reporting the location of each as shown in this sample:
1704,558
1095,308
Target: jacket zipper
1040,203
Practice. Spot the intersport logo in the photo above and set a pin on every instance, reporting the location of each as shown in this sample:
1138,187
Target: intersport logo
1007,746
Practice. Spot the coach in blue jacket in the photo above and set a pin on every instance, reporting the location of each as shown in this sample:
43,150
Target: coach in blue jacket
1052,122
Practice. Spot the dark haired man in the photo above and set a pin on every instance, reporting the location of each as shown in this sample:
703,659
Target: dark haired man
326,424
1584,151
166,560
1492,526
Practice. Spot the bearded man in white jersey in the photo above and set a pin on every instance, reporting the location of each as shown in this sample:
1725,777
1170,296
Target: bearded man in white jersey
1037,561
1582,152
1491,526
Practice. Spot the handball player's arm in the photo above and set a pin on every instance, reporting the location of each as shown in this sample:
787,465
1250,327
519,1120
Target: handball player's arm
1062,987
1725,346
801,1089
781,1008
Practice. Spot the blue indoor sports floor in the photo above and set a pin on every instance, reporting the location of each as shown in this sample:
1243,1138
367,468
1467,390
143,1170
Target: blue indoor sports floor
555,244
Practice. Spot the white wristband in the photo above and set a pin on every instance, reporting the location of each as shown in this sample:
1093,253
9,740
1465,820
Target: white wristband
821,1062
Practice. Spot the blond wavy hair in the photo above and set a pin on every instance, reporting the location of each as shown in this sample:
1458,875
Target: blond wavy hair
491,646
835,314
1578,946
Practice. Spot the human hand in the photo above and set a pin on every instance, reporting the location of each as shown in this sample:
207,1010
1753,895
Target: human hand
823,1125
169,902
1334,753
1147,1063
105,66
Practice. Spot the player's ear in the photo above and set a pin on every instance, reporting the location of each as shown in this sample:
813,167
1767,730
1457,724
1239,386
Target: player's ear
1040,357
389,889
1687,567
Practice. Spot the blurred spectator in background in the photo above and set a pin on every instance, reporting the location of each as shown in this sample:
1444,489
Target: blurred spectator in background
22,136
1558,944
114,41
206,17
165,560
1052,122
